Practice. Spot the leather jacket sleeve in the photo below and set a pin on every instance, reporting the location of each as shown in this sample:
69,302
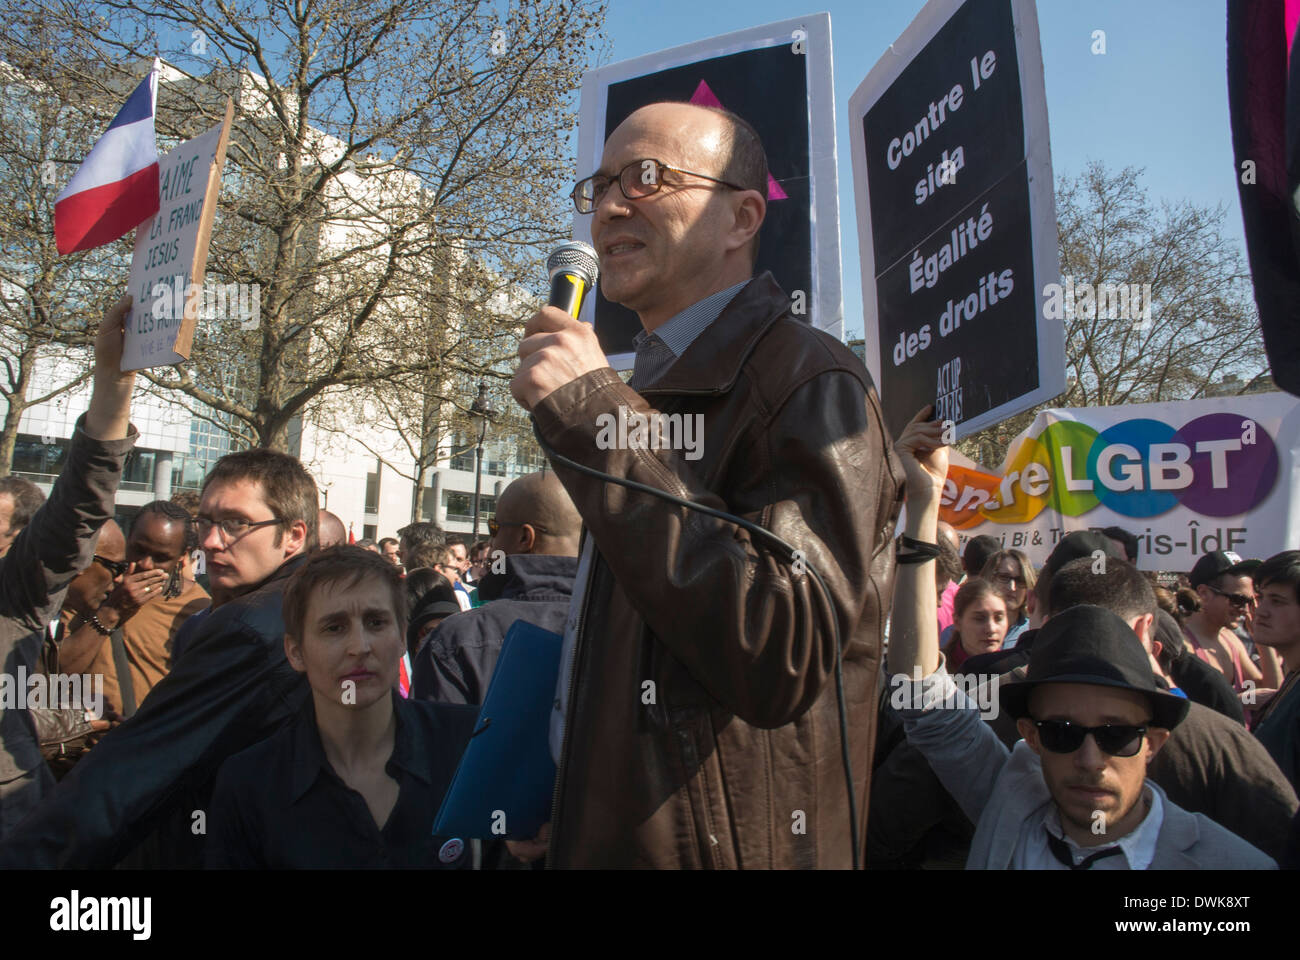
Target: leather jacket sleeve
220,697
810,466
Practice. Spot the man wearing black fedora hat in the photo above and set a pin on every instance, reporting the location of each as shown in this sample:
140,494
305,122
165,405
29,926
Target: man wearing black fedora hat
1073,793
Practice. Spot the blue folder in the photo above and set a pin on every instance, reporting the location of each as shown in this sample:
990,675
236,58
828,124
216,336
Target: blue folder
506,777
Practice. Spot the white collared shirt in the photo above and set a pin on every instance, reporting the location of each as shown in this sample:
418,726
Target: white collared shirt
1138,846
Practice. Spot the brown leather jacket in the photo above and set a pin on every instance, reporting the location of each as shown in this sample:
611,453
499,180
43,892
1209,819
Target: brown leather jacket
732,757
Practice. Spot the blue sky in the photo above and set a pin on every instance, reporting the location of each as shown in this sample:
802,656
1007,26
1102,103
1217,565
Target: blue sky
1157,99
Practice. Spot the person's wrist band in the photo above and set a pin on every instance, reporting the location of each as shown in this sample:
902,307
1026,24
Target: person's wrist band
921,551
99,628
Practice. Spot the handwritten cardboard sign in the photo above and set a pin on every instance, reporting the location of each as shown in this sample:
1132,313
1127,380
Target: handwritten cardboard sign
171,251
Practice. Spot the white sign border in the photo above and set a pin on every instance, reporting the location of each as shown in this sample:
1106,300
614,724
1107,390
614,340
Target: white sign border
1042,200
827,295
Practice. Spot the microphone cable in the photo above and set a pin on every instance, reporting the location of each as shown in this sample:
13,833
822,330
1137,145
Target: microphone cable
779,544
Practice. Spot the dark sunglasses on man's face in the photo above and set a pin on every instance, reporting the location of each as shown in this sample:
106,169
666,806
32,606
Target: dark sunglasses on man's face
1236,599
1116,739
116,567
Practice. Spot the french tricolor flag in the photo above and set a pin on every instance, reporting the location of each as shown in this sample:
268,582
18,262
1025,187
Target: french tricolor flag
116,188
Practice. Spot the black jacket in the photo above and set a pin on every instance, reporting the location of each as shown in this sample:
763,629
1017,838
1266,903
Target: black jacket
34,577
232,688
456,662
280,805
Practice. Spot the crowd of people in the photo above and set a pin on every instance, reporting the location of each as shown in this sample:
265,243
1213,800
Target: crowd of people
755,670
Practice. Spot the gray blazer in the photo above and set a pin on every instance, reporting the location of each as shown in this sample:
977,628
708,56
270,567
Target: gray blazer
34,576
998,789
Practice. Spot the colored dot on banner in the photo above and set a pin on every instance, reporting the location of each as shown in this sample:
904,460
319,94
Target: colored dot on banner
1247,471
1129,467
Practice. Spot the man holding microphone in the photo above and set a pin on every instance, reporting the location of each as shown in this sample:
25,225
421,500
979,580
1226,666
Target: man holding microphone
697,721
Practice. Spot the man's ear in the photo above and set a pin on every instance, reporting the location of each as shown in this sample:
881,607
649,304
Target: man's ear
1157,737
295,539
1143,626
749,217
1029,733
293,653
527,538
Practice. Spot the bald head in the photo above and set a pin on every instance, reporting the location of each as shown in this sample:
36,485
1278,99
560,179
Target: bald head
110,543
332,531
91,586
534,503
696,232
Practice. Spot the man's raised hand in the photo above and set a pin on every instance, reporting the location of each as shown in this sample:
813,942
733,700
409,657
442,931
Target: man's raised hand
925,458
110,401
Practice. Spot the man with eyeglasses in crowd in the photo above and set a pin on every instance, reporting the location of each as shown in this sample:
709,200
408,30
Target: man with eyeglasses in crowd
1073,794
736,640
141,794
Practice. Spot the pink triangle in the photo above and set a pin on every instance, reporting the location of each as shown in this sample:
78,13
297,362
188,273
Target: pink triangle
705,97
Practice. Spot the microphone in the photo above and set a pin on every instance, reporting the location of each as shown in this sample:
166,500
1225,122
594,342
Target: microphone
573,270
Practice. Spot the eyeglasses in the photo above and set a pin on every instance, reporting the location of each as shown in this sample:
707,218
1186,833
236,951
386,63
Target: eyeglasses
116,567
1007,580
1118,740
1236,599
495,525
231,528
639,179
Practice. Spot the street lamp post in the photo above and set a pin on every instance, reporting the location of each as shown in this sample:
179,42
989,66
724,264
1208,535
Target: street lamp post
481,412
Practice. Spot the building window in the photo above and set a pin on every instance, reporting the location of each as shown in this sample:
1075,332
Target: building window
188,472
464,461
370,531
460,506
34,457
137,471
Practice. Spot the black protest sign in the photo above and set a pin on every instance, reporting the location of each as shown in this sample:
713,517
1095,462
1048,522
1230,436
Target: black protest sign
777,78
957,224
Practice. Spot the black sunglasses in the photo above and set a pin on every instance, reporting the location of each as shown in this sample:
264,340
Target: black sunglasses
1236,599
1116,739
116,567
